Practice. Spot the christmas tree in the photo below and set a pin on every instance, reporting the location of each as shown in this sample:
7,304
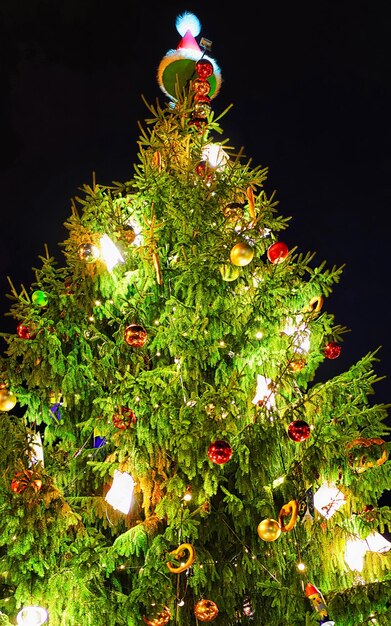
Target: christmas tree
173,450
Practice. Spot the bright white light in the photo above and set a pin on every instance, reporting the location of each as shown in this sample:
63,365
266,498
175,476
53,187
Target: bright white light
264,396
377,543
356,549
121,492
354,554
136,228
328,499
110,253
299,331
35,449
215,156
32,616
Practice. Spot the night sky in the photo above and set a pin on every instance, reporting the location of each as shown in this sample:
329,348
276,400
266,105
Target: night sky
310,84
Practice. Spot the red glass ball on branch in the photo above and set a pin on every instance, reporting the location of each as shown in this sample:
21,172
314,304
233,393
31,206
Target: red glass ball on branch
204,68
24,332
219,452
124,418
201,86
277,252
332,350
299,431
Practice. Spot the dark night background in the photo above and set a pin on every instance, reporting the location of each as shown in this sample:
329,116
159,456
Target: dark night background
311,88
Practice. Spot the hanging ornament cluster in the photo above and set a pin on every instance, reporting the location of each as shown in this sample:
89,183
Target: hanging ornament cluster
270,529
201,87
135,336
277,252
124,418
7,399
206,610
299,431
26,479
332,350
219,452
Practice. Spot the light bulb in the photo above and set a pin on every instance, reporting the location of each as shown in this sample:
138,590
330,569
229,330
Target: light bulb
32,616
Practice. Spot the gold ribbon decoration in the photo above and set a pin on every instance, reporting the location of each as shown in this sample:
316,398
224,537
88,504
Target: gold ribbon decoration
362,463
251,202
314,305
179,553
291,509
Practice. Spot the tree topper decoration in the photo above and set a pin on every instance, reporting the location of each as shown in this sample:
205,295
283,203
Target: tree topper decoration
177,67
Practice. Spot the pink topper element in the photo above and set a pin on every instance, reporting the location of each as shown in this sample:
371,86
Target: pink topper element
188,42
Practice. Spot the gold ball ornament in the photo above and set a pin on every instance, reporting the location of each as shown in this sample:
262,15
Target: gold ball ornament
7,399
233,212
88,252
241,254
206,610
159,617
269,529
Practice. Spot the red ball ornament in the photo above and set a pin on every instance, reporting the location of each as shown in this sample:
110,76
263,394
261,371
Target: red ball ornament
24,332
219,452
204,68
201,86
332,350
277,252
299,431
124,418
135,336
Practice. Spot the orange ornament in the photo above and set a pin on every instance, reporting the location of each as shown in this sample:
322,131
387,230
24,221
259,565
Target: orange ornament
135,336
206,610
26,479
159,617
